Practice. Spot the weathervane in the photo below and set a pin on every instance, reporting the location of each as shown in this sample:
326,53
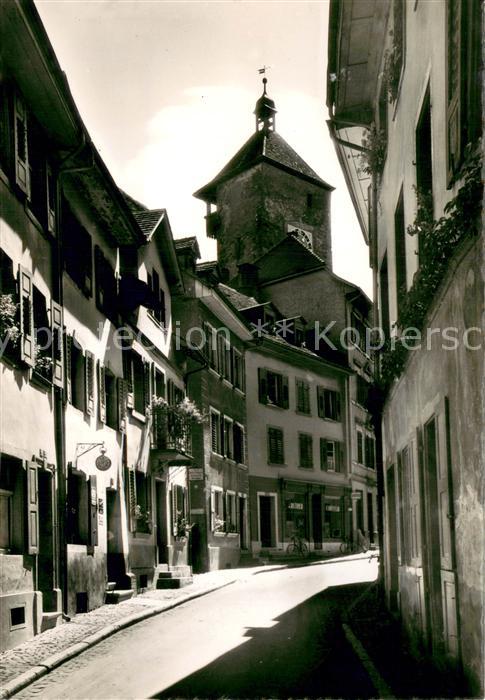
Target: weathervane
262,71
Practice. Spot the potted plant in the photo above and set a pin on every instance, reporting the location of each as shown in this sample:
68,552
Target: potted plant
143,519
182,527
9,323
219,524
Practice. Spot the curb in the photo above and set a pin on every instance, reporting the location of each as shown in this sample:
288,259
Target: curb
51,662
380,685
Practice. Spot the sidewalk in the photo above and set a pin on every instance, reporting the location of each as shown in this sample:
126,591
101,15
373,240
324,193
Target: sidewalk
25,663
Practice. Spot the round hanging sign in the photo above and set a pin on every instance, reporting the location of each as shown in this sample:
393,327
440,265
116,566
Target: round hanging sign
103,463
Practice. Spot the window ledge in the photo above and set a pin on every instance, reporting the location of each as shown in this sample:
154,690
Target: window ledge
274,405
157,323
306,469
226,382
139,416
302,413
40,381
239,391
277,464
214,371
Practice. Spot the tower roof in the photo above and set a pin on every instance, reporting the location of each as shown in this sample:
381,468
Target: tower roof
262,147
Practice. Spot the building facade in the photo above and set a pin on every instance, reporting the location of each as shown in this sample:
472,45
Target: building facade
406,119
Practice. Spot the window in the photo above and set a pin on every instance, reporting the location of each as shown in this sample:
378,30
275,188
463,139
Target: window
137,375
215,432
362,393
370,452
42,335
77,374
360,332
77,508
77,250
179,509
463,80
384,297
331,455
303,397
328,403
239,444
22,169
217,510
143,520
106,286
332,526
159,383
276,453
159,312
360,446
211,346
227,441
111,400
305,443
231,515
424,163
238,376
400,252
273,388
12,504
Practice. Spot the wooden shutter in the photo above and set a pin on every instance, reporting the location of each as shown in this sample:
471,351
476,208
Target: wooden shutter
147,383
89,369
285,392
338,456
122,394
67,367
163,310
93,511
323,454
455,86
27,349
415,524
444,497
321,401
51,198
22,174
337,405
101,393
131,484
170,392
127,358
32,508
263,385
57,345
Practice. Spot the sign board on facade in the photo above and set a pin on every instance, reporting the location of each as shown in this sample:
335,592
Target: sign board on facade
103,463
295,506
196,474
333,509
356,495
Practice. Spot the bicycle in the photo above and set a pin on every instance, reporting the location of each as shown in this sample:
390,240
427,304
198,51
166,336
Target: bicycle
348,546
298,546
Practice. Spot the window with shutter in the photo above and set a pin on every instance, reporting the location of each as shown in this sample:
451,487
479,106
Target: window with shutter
147,371
27,350
22,173
57,345
228,438
238,433
323,454
360,447
89,368
51,200
32,508
262,385
101,393
275,446
305,442
302,397
68,367
93,511
122,407
221,354
132,496
215,432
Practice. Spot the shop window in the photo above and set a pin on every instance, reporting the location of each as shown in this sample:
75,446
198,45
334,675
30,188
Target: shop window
276,452
332,526
303,397
273,388
328,404
239,444
305,443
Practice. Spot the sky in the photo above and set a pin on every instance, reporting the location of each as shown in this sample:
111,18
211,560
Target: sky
167,91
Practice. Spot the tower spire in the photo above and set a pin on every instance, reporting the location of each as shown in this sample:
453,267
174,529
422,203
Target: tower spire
265,110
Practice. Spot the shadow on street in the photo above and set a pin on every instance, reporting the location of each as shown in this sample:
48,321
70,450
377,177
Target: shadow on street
304,654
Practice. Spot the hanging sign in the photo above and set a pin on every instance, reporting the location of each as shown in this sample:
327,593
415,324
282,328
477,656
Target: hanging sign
103,463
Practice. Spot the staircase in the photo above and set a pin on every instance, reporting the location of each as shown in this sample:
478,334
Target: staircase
115,595
175,577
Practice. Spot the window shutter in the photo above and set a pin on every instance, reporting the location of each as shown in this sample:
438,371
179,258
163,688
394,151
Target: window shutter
122,393
214,431
285,392
263,385
146,383
93,511
170,392
132,498
101,393
242,372
128,376
455,89
27,349
221,432
337,405
163,311
67,367
57,345
22,175
213,509
338,456
321,401
323,454
51,199
32,508
89,382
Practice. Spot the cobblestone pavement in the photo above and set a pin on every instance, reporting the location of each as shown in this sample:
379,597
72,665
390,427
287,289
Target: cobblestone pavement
17,661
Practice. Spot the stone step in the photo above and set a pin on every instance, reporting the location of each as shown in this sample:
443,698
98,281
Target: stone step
167,574
50,620
111,586
181,570
180,582
113,597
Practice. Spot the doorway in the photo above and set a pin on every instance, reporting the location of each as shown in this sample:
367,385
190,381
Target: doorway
242,523
370,517
46,560
267,520
317,520
393,553
162,535
115,560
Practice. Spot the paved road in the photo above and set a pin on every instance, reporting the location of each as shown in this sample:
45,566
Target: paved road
275,634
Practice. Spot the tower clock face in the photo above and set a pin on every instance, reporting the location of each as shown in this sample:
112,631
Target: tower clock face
305,237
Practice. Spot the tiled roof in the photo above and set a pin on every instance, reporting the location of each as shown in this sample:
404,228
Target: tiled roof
237,299
288,257
208,265
266,146
186,242
133,204
148,219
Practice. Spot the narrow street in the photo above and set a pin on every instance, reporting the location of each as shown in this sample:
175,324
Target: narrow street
274,634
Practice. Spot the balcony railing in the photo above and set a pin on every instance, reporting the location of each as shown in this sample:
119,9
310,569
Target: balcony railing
213,224
171,433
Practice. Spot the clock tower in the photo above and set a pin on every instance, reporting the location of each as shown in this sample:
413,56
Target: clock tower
265,193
